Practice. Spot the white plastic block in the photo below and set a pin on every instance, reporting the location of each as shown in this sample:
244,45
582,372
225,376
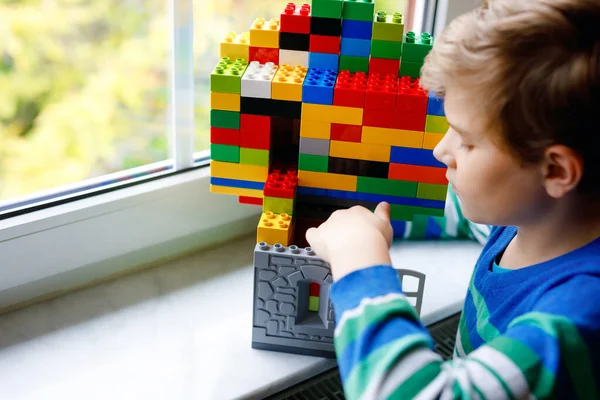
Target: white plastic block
293,57
256,81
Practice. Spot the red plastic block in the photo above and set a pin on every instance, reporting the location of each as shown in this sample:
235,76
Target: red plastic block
264,55
346,133
314,289
350,89
295,19
255,132
381,93
281,184
255,201
225,136
412,98
411,121
384,66
325,44
381,119
417,173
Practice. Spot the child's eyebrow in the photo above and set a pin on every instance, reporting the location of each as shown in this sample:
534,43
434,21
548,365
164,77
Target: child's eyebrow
459,129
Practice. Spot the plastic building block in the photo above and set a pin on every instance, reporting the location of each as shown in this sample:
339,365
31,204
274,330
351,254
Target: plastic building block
431,140
272,108
254,156
381,92
237,183
327,8
417,173
256,81
415,48
360,168
326,180
282,185
436,124
435,105
294,41
226,136
432,192
313,303
235,46
293,57
255,201
354,64
360,151
310,162
223,152
395,120
355,47
325,26
332,114
274,228
287,83
317,147
350,89
295,19
264,55
392,137
315,129
359,10
398,211
346,133
384,66
388,27
404,155
278,205
373,199
235,191
265,33
410,68
255,131
227,76
325,44
318,86
384,186
225,119
323,61
225,101
412,97
386,49
239,171
357,29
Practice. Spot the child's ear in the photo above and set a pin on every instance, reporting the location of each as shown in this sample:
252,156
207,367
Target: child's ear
563,170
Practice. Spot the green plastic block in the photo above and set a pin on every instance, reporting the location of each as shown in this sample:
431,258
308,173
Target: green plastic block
409,68
406,213
313,303
416,48
225,152
386,186
327,8
359,10
227,76
278,205
225,119
354,64
311,162
436,124
430,191
254,157
385,49
388,27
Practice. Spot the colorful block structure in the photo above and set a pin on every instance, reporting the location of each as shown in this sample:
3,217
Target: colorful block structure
317,110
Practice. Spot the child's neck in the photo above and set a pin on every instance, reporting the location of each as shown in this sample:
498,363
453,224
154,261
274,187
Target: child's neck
562,229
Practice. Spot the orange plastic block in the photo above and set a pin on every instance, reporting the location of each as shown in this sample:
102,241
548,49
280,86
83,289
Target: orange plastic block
417,173
431,140
265,33
236,46
392,137
274,228
360,151
315,129
287,83
326,180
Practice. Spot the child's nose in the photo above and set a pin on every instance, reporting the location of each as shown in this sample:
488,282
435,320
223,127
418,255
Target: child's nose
443,154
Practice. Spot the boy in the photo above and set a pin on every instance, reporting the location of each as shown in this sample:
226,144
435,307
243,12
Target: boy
521,81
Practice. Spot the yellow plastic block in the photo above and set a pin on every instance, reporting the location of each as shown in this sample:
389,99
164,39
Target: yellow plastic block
287,83
225,101
244,172
313,303
332,114
236,191
360,151
431,140
236,46
265,33
436,123
326,180
274,228
392,137
315,129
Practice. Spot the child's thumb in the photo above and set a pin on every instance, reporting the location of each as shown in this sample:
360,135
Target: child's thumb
383,211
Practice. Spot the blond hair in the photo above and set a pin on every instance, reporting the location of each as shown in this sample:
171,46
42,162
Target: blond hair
536,66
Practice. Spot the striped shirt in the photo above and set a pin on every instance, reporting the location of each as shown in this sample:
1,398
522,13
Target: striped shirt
527,333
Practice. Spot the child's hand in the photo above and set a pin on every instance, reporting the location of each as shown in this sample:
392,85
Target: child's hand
353,239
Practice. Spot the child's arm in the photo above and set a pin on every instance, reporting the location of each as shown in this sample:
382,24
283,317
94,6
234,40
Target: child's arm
384,352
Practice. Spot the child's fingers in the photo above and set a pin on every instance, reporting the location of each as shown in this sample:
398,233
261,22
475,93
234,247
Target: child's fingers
383,211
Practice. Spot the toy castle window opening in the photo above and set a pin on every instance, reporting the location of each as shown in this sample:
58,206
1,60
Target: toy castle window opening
313,301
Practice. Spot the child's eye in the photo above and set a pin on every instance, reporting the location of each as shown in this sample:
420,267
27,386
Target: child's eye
465,146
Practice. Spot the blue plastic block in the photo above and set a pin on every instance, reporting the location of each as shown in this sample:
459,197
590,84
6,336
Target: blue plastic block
323,61
435,106
355,47
357,29
399,228
309,191
377,198
406,155
318,86
237,183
